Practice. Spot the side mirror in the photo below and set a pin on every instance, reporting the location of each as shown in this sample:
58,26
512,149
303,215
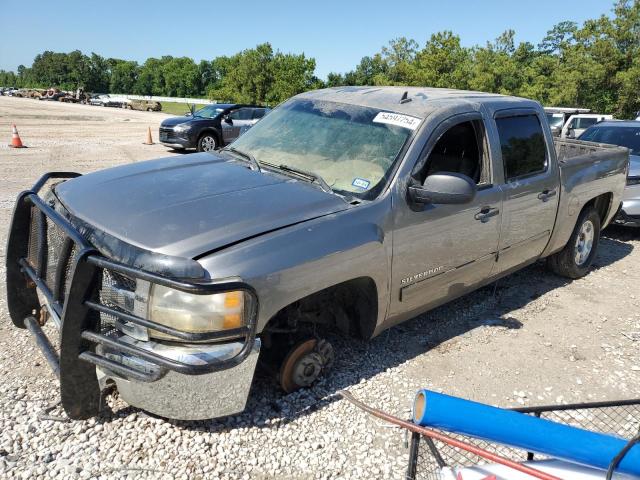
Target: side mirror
188,114
228,119
444,188
571,133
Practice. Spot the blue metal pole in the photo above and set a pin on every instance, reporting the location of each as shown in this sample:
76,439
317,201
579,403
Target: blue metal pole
456,415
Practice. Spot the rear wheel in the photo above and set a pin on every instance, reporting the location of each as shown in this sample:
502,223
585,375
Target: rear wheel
575,259
207,142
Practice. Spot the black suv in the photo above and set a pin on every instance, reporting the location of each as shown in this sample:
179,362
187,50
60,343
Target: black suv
211,127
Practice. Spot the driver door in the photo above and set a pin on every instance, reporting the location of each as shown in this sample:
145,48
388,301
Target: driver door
442,251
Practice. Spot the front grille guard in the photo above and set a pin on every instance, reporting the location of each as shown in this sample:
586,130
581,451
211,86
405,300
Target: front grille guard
79,307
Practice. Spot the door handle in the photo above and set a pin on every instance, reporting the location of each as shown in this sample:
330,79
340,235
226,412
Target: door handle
486,213
546,194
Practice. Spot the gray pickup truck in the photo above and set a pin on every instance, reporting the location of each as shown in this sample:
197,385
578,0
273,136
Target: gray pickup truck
344,210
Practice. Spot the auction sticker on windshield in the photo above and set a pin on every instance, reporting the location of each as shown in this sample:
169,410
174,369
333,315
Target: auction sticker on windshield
398,119
361,183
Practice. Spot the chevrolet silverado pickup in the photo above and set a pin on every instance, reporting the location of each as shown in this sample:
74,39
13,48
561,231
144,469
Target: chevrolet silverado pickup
345,210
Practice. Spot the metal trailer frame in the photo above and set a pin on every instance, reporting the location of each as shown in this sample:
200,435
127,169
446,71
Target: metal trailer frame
79,308
440,458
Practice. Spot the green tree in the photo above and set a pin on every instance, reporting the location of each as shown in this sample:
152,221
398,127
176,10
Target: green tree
181,77
291,74
443,62
124,75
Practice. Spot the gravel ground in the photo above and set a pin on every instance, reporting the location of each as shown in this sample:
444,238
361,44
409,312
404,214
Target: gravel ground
533,338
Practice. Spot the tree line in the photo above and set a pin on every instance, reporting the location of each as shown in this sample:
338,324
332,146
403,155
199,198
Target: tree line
595,65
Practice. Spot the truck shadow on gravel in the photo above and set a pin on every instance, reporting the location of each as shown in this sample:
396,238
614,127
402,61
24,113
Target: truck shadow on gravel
358,361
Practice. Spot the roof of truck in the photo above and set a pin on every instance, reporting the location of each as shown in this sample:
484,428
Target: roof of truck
420,100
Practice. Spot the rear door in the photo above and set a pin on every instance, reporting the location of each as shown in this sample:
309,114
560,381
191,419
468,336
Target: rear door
241,121
530,191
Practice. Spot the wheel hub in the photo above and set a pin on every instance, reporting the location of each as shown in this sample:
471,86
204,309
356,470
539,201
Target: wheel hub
208,144
305,363
584,243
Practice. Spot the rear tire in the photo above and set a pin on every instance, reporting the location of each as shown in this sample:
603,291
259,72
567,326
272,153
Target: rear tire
575,259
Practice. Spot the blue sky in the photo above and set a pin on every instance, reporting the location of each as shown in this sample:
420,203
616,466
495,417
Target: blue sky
336,33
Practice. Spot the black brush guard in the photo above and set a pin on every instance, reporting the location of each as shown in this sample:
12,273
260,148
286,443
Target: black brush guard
78,307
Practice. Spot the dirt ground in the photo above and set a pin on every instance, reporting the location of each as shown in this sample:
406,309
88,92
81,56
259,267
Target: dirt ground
531,339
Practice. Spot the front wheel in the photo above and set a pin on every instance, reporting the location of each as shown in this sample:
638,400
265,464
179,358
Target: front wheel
575,259
207,143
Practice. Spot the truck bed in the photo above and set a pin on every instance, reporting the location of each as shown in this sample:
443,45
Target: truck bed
587,170
567,149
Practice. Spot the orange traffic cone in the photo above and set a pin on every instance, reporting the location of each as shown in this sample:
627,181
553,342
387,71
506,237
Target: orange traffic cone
15,139
149,137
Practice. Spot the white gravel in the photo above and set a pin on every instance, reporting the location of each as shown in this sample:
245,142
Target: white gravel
534,339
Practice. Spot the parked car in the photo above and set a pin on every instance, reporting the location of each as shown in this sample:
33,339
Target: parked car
211,127
168,277
625,134
558,116
148,105
580,122
105,100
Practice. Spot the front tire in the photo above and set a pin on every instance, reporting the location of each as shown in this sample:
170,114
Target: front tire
575,259
207,142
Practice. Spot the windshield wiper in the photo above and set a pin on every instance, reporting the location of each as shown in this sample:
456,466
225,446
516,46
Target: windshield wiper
246,155
314,177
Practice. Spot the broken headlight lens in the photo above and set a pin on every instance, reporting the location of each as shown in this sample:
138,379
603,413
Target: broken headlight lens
196,313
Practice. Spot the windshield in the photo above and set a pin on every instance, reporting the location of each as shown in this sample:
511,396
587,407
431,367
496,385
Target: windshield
555,119
352,148
623,136
210,111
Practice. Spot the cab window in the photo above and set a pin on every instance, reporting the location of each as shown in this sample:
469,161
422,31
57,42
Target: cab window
241,114
583,122
461,149
258,113
523,146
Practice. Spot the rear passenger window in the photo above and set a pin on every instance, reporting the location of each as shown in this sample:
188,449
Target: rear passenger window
523,146
258,113
241,114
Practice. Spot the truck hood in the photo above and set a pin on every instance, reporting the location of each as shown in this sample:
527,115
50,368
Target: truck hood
190,205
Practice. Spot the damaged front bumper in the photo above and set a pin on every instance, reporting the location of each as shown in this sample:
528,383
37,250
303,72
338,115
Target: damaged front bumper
205,376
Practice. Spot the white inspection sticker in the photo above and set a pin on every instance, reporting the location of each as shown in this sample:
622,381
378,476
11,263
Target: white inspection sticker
398,119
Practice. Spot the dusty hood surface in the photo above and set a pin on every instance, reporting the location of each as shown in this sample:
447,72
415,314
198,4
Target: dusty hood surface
189,205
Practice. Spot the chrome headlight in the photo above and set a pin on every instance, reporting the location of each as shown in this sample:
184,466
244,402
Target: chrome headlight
196,313
182,311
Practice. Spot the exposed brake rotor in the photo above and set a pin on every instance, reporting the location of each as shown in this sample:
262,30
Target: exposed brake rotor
305,363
